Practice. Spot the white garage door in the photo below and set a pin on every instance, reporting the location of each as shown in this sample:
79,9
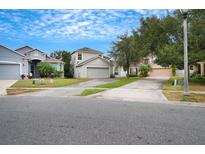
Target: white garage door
97,72
9,71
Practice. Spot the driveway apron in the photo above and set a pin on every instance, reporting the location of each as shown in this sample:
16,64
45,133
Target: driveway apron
4,84
148,89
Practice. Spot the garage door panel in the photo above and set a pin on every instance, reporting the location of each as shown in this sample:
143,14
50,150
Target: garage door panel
97,72
9,71
160,72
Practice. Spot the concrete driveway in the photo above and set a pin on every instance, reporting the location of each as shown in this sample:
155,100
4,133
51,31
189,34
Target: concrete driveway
148,89
71,90
4,84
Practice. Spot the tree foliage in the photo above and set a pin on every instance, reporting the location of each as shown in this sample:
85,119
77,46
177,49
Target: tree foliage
65,56
45,69
163,38
124,51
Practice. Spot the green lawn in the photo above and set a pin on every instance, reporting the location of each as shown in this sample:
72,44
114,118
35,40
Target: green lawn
119,83
56,83
91,91
194,84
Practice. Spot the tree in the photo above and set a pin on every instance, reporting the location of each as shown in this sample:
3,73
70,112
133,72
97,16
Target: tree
65,56
45,69
164,38
124,51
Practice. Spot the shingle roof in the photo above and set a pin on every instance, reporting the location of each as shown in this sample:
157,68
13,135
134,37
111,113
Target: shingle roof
89,50
53,60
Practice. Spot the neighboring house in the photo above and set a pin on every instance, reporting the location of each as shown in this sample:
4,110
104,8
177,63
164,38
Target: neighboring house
157,70
24,60
199,68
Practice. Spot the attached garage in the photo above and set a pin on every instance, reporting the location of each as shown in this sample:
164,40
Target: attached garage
98,72
160,72
9,71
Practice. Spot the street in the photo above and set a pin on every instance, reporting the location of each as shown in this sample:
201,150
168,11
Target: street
79,120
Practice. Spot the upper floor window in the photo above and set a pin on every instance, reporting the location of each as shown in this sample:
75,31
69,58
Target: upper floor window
79,56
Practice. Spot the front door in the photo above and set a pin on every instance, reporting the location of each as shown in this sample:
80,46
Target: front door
34,68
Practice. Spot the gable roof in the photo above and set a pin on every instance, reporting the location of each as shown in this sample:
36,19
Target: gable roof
88,50
34,50
92,59
12,51
24,51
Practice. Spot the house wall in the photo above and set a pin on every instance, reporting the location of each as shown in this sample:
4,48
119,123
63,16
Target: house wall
58,66
85,56
120,70
81,72
8,56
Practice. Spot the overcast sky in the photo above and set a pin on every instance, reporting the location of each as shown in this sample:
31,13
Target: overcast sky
51,30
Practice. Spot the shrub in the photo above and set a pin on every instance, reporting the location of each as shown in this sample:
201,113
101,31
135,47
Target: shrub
29,76
45,69
145,69
23,76
112,76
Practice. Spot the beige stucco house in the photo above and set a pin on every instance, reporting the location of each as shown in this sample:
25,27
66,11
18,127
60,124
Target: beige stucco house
90,63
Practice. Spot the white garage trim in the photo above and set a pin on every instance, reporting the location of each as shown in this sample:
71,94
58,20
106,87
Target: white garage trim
11,62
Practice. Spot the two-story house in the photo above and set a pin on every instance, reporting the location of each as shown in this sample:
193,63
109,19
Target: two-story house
90,63
24,60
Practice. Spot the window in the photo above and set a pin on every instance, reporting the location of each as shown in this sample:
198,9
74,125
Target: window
191,67
79,56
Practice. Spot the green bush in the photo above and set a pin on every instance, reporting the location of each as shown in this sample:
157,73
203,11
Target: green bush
45,69
145,69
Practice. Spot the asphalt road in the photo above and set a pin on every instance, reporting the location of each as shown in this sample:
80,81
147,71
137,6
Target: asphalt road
66,120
